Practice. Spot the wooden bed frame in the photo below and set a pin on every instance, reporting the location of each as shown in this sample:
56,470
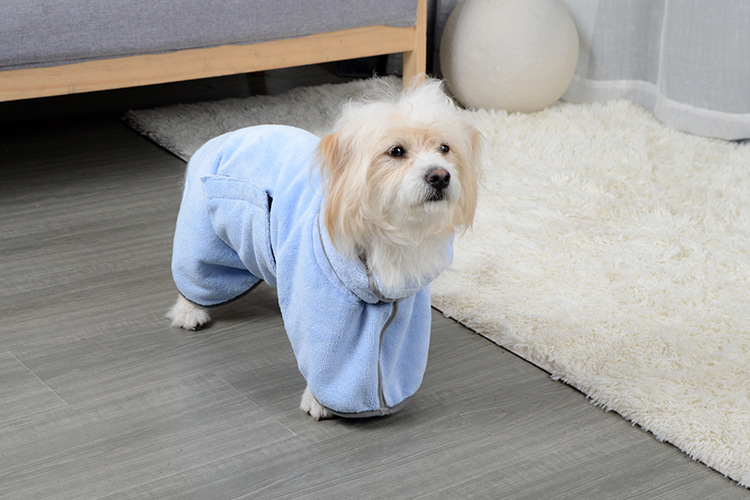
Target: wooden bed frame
191,64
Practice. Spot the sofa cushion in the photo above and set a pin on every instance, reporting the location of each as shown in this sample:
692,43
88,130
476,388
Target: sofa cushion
46,33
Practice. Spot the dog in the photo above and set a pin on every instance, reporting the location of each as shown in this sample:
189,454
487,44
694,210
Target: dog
350,229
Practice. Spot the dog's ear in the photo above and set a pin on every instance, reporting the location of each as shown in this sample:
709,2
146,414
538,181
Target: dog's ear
333,157
470,165
330,156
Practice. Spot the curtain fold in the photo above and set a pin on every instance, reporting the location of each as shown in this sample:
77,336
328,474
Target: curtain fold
686,60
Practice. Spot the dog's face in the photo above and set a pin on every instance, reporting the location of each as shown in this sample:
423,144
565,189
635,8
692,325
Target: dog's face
403,169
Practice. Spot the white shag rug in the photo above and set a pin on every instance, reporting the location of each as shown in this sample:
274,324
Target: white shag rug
608,249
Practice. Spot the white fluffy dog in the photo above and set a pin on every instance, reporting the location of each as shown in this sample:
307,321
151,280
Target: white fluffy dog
351,244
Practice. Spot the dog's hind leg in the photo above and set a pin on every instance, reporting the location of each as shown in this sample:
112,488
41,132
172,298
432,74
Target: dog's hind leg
187,315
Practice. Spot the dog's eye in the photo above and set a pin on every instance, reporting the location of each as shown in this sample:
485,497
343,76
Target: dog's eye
397,152
444,148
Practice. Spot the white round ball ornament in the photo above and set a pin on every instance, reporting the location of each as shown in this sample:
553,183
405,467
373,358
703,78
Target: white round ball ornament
516,55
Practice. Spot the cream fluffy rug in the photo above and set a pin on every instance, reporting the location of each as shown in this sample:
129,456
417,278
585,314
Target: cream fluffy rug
608,249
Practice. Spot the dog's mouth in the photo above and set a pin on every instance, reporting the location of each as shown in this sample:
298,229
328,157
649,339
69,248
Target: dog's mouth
435,196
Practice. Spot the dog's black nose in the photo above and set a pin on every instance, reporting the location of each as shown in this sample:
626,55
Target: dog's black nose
438,178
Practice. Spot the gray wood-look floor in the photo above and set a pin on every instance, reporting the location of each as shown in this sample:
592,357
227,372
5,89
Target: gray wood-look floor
99,397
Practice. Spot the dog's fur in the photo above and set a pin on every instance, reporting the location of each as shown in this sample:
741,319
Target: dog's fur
400,178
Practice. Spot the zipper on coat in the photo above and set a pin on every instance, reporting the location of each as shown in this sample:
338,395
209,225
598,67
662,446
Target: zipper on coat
381,394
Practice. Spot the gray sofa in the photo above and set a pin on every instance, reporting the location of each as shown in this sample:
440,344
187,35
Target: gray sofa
70,46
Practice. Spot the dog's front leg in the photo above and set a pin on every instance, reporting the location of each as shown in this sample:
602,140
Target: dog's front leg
310,405
187,315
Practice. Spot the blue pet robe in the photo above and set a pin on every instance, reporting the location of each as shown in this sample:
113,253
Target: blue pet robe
250,212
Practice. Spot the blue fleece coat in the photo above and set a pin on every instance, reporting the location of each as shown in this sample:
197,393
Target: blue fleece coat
250,212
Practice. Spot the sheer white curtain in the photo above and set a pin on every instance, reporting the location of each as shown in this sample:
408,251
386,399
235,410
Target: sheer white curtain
687,60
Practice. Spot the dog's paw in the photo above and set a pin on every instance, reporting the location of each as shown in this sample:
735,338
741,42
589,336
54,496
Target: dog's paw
185,314
310,405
